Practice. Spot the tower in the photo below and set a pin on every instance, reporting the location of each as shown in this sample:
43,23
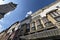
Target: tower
5,8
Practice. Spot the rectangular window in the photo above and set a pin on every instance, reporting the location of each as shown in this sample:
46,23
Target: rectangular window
45,20
28,27
56,14
58,11
38,22
33,25
48,24
57,18
52,15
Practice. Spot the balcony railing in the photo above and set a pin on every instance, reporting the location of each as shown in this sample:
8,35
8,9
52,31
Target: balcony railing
43,34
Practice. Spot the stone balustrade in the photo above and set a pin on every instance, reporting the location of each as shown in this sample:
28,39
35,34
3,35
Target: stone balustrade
43,34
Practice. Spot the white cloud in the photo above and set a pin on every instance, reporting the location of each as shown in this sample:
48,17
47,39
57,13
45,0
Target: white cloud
1,28
7,13
1,2
1,20
28,13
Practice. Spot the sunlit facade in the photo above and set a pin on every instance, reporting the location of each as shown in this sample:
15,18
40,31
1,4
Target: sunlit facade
9,33
44,24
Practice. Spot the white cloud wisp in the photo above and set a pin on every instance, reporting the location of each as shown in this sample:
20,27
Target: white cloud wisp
28,13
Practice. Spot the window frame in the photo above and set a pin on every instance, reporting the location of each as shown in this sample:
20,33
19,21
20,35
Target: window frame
33,28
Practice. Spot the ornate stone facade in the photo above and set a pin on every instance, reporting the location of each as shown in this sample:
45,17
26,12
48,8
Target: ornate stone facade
44,24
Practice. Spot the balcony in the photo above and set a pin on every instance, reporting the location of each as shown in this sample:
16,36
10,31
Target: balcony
43,34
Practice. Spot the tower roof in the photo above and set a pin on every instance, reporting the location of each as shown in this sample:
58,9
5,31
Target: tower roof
5,8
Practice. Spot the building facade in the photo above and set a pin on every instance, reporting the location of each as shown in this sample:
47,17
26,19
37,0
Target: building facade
45,23
25,25
9,33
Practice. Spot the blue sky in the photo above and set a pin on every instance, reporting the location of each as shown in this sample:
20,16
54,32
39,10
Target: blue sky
20,12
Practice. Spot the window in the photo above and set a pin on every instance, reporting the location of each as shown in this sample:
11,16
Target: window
58,19
23,25
49,24
28,27
38,22
45,19
54,14
33,25
58,11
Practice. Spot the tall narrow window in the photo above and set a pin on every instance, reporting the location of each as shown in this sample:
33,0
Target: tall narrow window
56,14
28,27
52,15
38,22
46,22
33,25
45,19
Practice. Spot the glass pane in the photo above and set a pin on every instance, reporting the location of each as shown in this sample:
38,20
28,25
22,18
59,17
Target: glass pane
58,11
38,22
52,15
33,24
45,20
58,19
56,14
40,26
49,24
28,26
